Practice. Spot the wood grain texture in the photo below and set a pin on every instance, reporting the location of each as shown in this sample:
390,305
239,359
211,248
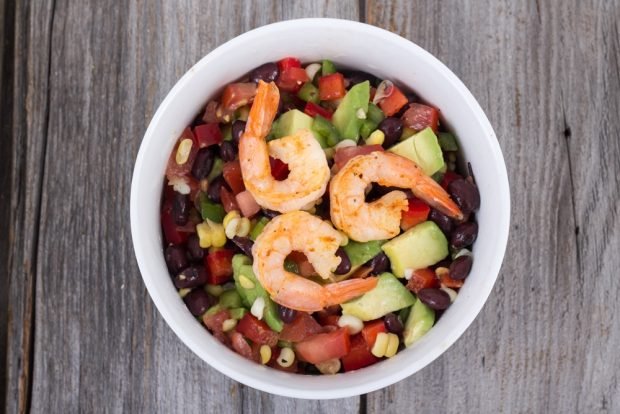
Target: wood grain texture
543,342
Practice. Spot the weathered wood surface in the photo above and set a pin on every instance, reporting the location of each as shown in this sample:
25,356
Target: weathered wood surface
79,82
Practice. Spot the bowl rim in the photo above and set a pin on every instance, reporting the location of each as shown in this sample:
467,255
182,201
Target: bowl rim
467,316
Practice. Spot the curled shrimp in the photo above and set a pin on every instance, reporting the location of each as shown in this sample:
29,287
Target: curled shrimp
380,219
318,240
309,172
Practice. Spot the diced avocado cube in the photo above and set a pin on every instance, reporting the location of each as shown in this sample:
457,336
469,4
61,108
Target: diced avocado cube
419,322
388,296
419,247
361,252
293,121
249,295
239,260
347,119
447,142
230,299
423,149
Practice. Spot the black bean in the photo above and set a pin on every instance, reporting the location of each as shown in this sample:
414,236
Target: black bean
379,264
267,72
213,192
198,301
465,194
392,128
180,208
460,267
357,76
443,222
464,235
270,213
393,324
194,251
345,264
412,97
203,162
244,244
228,151
434,298
238,127
191,277
286,314
176,259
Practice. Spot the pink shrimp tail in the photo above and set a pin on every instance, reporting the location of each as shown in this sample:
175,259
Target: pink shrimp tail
263,110
349,289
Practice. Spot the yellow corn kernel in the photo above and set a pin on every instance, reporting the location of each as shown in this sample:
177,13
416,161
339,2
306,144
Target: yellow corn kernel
442,271
204,235
215,290
183,292
229,325
392,345
245,282
183,151
243,229
376,138
265,354
286,357
345,239
218,237
231,227
329,367
380,346
228,217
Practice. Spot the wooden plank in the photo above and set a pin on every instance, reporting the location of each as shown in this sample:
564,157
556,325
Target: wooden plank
540,343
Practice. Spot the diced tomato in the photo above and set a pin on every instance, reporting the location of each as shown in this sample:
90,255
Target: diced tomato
210,114
448,177
238,94
288,62
256,331
330,320
173,169
228,200
331,87
419,116
233,177
219,265
447,281
172,233
247,204
321,347
343,155
208,134
313,110
393,102
279,169
371,330
214,322
417,213
422,279
302,327
291,79
359,356
241,346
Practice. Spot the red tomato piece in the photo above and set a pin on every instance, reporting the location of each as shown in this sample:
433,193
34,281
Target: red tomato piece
219,265
247,204
419,116
321,347
393,102
241,346
228,200
343,155
238,94
371,330
172,233
214,322
208,134
448,177
233,177
174,170
279,169
291,79
359,356
256,331
288,62
302,327
422,279
313,110
417,213
331,87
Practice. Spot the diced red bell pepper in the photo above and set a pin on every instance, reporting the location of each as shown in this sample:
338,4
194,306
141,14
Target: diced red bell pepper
359,356
417,213
256,331
447,281
238,94
313,110
228,200
219,265
173,169
214,322
393,102
343,155
448,177
419,116
241,346
279,169
208,134
331,87
322,347
371,330
291,79
232,176
288,62
302,327
247,204
422,279
172,233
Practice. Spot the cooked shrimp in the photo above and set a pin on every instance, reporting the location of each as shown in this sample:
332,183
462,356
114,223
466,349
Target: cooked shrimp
309,172
318,240
380,219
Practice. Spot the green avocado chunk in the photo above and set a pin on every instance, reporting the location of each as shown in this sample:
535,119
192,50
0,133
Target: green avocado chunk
388,296
420,321
347,119
293,121
359,253
423,149
419,247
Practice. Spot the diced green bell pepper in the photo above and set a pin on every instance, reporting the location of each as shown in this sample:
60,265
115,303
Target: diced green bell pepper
210,210
218,167
324,128
375,114
327,67
447,142
309,93
367,128
258,228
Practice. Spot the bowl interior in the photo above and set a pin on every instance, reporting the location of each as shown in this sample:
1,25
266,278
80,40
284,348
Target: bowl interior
353,45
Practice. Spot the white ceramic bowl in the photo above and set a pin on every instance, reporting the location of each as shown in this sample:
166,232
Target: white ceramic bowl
354,45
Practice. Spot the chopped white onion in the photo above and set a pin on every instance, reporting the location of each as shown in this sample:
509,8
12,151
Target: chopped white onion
312,69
